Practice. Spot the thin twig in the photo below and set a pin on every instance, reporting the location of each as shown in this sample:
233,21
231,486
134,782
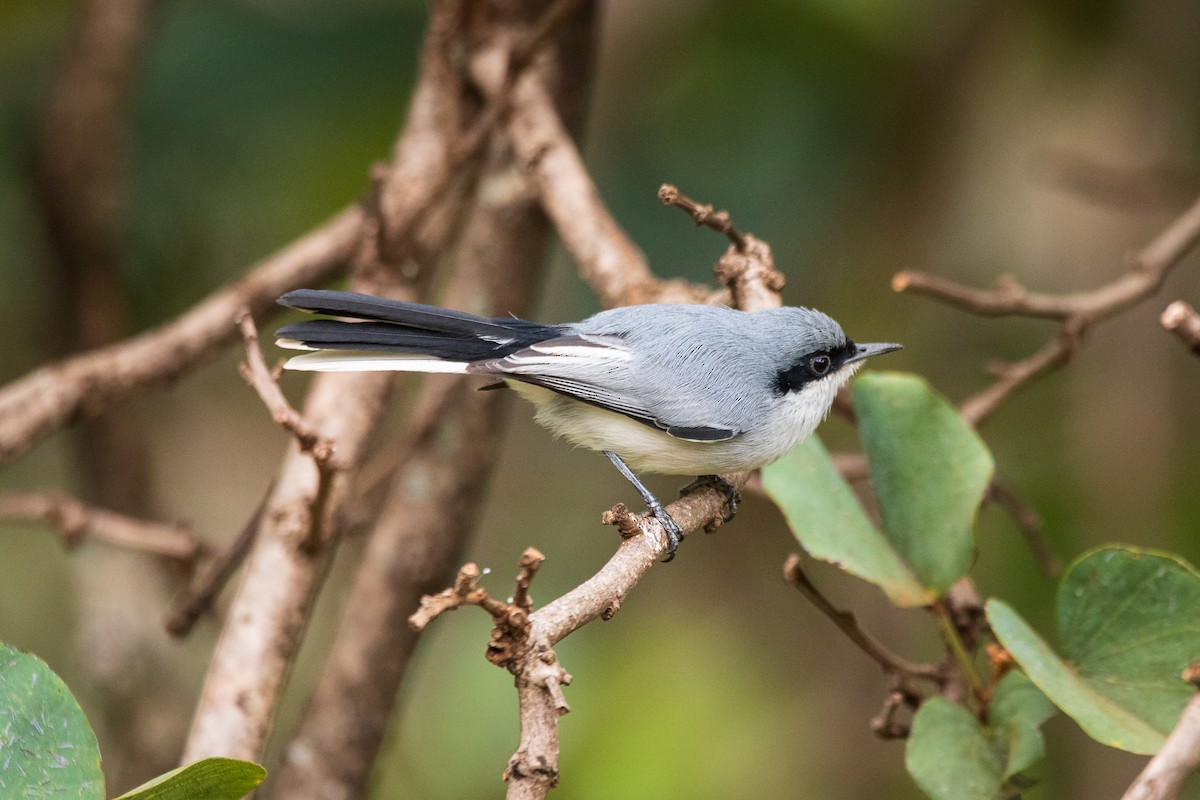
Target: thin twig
703,214
902,696
793,573
464,592
1183,321
1011,377
265,383
77,522
747,268
1178,758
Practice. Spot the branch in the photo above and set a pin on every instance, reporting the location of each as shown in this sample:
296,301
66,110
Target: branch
1077,312
303,521
608,261
33,407
703,214
447,452
464,592
1029,523
533,769
211,577
1183,321
77,522
793,573
266,384
1178,758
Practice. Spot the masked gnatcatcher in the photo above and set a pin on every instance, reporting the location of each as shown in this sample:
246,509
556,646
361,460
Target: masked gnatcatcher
673,389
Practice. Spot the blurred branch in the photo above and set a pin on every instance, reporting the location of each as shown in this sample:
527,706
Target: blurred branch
80,181
91,383
410,226
1178,758
1077,311
1183,321
1104,183
434,472
77,522
793,573
901,696
210,578
1029,523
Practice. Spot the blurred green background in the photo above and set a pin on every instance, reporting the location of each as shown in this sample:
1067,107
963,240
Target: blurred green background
1047,140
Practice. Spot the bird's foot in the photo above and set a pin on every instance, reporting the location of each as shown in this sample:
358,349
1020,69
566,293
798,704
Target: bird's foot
732,496
674,532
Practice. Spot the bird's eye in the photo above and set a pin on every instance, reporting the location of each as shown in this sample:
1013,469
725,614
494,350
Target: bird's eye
819,364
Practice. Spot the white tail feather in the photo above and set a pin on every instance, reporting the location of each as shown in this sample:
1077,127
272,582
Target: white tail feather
293,344
342,361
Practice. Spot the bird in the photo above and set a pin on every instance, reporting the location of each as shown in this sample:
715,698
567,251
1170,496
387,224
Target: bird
672,389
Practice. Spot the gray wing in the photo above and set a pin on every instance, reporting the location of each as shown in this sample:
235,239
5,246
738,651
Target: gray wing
598,370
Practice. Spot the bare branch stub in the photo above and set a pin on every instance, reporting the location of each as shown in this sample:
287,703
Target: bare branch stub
901,697
703,214
747,268
1182,320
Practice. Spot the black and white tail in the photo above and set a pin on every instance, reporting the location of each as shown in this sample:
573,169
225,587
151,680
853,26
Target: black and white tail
392,335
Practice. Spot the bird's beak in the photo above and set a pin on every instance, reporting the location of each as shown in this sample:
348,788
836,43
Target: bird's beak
868,350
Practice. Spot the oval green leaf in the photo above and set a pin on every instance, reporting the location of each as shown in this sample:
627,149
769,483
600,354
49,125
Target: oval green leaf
209,779
948,755
47,748
929,469
951,755
827,519
1129,624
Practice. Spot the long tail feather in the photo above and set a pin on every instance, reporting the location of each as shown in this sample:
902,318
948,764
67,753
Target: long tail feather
412,315
397,335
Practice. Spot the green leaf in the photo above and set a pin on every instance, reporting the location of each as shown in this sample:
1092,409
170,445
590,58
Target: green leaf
1016,713
47,748
952,756
948,755
1129,624
826,517
929,469
209,779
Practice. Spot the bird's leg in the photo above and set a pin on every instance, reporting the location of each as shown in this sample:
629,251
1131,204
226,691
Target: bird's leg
674,532
732,496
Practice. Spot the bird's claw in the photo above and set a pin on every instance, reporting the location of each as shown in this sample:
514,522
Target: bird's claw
674,532
732,496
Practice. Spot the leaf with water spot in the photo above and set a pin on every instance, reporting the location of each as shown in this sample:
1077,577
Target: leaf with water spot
47,748
1129,623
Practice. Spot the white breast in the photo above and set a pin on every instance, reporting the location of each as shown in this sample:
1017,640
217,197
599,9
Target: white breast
794,416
